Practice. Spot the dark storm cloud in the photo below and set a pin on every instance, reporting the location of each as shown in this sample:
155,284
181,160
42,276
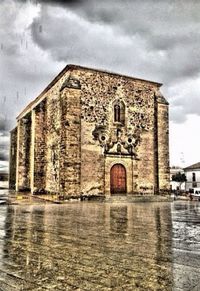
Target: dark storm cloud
4,145
4,155
64,2
4,139
56,2
151,39
4,124
4,148
158,40
22,74
161,26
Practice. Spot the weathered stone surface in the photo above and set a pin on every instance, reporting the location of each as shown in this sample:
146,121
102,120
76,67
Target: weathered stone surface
13,155
163,146
86,122
23,153
40,148
70,154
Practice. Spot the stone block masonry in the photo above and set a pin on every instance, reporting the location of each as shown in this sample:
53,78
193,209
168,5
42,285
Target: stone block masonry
13,156
23,154
39,148
93,133
70,152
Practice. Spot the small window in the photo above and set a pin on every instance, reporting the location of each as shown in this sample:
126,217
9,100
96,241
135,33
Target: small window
119,112
194,184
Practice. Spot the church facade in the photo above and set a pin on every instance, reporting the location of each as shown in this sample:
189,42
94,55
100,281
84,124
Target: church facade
92,133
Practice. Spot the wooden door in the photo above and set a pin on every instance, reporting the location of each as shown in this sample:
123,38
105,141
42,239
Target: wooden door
118,179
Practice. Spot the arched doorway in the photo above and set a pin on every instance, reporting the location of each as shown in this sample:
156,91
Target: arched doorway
118,179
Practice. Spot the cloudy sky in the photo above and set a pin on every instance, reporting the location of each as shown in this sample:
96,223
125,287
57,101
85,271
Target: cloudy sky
153,39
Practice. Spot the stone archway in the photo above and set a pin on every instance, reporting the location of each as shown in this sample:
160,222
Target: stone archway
118,179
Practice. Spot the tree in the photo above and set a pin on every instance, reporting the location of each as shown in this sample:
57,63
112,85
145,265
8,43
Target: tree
178,177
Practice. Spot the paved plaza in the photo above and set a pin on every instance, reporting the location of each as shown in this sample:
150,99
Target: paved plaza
100,246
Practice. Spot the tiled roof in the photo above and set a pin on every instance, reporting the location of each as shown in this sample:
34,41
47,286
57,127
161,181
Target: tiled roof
193,167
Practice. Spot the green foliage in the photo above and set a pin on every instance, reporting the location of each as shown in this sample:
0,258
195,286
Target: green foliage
179,177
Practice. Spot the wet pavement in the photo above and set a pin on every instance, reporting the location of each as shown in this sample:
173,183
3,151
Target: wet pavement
100,246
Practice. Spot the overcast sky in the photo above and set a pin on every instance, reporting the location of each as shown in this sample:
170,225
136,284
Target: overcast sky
157,40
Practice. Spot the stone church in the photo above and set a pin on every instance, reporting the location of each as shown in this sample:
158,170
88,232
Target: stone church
92,133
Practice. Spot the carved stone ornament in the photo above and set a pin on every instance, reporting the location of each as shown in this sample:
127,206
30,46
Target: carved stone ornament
98,132
71,82
118,143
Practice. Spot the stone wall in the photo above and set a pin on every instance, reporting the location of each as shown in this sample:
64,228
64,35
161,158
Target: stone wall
156,165
74,138
163,147
23,153
99,91
47,140
52,142
70,146
13,157
40,148
92,162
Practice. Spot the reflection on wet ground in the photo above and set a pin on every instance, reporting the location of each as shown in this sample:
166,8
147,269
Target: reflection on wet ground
100,246
186,245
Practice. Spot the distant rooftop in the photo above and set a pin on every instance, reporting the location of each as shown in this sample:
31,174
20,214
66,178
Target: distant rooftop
193,167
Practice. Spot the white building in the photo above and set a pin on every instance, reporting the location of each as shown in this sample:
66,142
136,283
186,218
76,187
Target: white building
193,176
